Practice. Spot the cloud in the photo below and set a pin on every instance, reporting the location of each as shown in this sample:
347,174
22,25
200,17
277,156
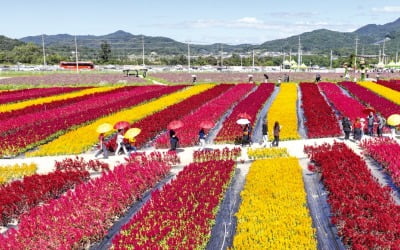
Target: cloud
387,9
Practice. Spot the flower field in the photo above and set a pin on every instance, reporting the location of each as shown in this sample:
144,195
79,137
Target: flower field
272,214
393,84
194,197
284,110
347,106
320,119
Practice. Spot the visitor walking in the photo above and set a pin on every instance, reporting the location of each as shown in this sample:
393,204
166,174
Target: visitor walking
370,121
264,134
173,139
357,129
346,127
120,142
246,138
102,147
277,130
202,138
381,123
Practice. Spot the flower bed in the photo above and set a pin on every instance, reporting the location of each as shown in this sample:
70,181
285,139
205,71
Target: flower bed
216,154
25,94
363,211
20,105
158,122
388,93
169,157
347,106
46,125
19,197
82,216
211,111
273,214
284,110
320,119
79,164
386,151
71,79
380,104
260,153
251,105
82,139
15,171
60,103
393,84
180,215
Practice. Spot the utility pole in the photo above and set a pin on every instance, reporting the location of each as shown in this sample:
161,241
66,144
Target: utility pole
188,44
299,54
222,57
76,56
142,50
44,53
355,58
330,65
253,59
241,61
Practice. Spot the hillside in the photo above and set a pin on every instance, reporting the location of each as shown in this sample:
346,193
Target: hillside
8,43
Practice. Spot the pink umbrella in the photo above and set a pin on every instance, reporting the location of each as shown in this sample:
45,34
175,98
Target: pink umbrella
206,124
175,124
121,125
244,115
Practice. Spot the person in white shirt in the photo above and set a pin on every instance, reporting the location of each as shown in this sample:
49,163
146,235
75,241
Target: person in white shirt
120,143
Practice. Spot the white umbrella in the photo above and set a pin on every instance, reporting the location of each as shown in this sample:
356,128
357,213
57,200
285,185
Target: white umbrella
243,121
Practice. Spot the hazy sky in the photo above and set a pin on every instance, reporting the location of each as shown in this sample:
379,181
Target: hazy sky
203,21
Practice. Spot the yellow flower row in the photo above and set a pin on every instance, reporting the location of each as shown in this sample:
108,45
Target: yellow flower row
15,171
80,140
284,110
258,153
381,90
273,213
49,99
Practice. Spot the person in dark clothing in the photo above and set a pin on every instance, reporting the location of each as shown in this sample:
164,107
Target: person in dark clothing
246,139
266,78
371,120
173,139
264,134
277,130
202,138
381,124
318,78
346,127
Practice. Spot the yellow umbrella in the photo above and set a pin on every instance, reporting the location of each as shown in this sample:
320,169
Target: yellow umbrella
393,120
104,128
132,132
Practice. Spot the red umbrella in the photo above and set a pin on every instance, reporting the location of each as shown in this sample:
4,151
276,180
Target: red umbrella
175,124
206,124
244,116
121,125
368,110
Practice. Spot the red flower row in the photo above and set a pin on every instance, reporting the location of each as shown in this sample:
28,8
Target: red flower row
180,215
320,119
154,124
19,197
83,216
386,151
216,154
60,103
362,210
346,105
79,164
54,123
25,94
392,84
380,104
251,105
211,111
169,157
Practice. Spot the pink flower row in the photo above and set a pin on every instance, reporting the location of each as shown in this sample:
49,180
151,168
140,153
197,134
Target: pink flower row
158,122
60,103
83,216
362,210
180,215
251,105
211,111
20,196
386,151
25,94
320,119
216,154
346,105
380,104
40,127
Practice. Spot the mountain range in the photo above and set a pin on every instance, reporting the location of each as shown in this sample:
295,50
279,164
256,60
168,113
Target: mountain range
317,41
